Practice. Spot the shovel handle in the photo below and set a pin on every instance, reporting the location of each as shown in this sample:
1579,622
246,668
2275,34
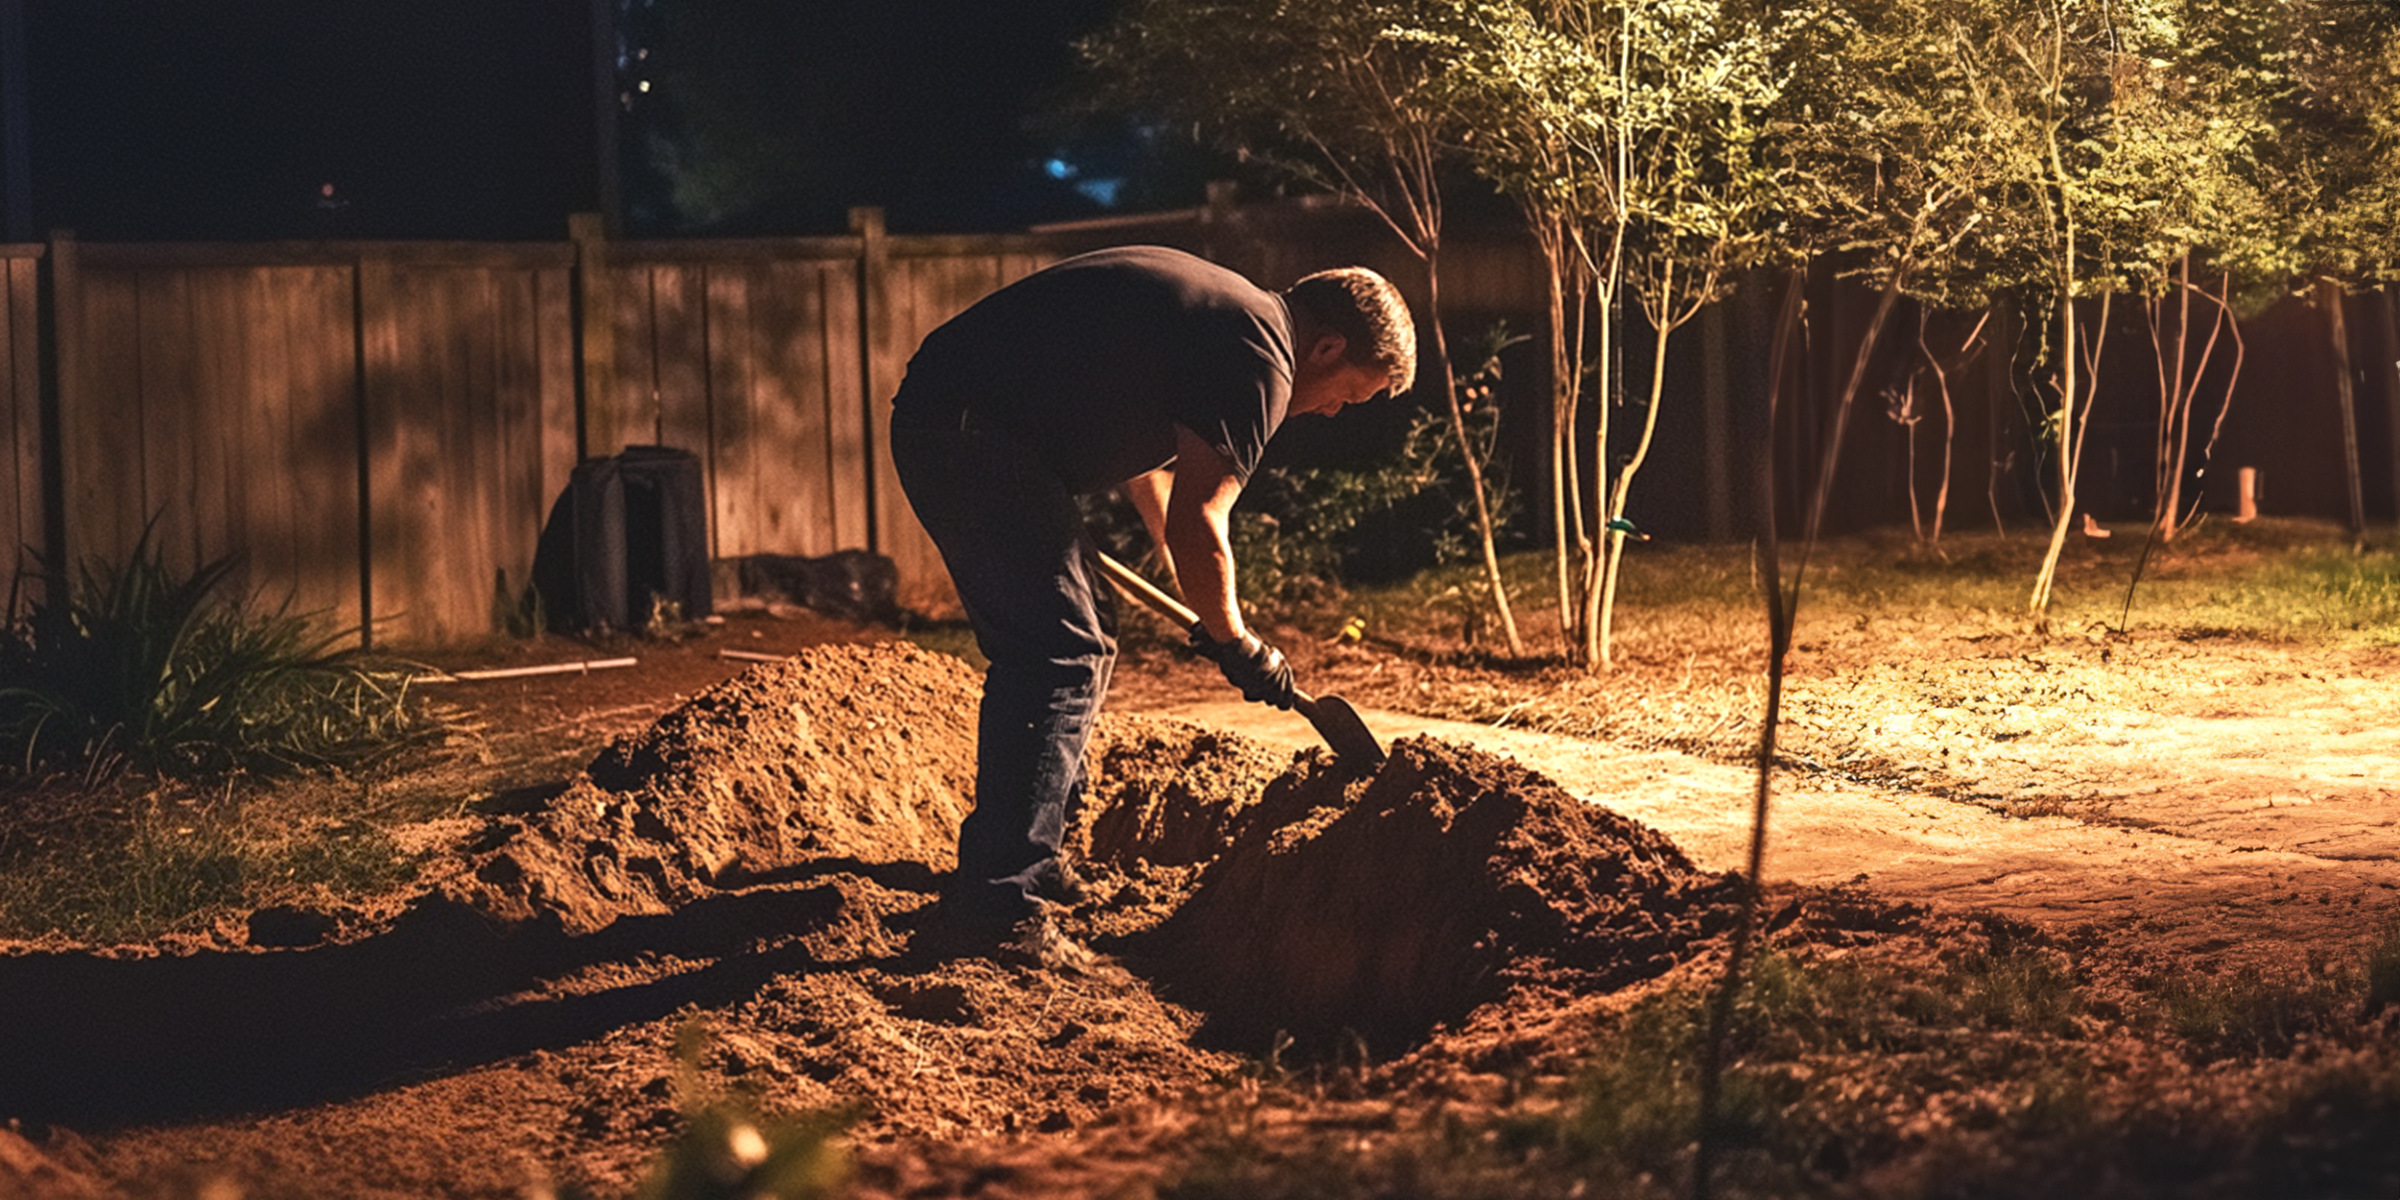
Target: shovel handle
1334,719
1136,585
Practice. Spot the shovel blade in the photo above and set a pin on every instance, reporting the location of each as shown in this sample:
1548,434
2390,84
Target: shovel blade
1343,730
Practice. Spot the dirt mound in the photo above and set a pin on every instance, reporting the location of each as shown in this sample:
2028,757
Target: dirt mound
852,754
1168,794
1383,907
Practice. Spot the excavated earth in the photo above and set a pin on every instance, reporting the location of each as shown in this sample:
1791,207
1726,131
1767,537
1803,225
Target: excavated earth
749,877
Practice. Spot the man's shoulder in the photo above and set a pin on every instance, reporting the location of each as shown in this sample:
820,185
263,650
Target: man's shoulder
1163,268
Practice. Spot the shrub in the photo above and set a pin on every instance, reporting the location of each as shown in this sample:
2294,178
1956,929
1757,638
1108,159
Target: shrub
138,666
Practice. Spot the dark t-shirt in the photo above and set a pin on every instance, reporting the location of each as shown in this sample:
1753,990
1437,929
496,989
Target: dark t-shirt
1093,361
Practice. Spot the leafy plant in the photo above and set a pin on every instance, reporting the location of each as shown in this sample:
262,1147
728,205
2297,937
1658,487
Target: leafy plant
727,1152
139,666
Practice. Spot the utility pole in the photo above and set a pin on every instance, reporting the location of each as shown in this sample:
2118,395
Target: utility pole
16,129
608,104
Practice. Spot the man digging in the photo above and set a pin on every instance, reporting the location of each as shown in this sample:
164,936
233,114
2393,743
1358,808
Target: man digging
1143,368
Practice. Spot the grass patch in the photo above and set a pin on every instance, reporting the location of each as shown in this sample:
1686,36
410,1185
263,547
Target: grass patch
159,867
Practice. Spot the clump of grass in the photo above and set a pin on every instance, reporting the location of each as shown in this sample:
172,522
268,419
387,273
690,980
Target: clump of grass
2380,968
2249,1014
139,666
174,868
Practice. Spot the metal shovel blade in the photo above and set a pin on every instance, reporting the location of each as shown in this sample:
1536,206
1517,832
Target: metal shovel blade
1342,728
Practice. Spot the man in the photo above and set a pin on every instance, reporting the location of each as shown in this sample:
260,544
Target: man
1143,368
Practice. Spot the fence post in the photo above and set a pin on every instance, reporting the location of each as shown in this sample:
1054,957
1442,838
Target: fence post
62,387
599,427
875,323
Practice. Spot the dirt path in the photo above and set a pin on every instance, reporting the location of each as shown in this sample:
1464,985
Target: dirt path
2213,855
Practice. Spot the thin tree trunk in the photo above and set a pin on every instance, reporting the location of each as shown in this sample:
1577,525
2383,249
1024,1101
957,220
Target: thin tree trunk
1615,537
1841,423
2233,379
2039,602
1941,380
1596,547
2345,395
1908,427
1466,449
1562,440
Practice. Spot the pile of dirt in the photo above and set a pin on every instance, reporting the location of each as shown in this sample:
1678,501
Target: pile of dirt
844,755
1383,907
763,859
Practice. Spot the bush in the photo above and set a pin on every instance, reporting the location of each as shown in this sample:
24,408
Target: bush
137,666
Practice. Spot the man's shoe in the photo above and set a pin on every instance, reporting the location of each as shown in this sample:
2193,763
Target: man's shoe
1038,942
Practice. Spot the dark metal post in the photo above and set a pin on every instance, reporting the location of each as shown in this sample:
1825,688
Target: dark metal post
16,128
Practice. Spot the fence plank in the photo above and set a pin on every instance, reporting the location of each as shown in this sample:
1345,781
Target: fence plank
636,375
846,409
553,332
23,519
679,331
100,417
316,374
735,459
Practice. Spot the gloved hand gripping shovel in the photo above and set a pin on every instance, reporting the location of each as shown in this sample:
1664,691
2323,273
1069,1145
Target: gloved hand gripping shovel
1336,722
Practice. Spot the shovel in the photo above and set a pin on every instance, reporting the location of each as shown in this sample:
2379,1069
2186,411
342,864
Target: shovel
1336,722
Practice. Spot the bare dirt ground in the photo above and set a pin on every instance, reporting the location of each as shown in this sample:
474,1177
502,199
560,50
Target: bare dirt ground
735,857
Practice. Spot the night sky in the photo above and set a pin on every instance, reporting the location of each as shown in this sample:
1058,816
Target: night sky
227,119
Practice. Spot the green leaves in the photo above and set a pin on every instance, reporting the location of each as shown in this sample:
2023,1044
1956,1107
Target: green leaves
142,666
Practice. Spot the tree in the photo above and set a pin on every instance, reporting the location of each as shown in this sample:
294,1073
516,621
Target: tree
1327,92
2336,172
1889,172
1629,133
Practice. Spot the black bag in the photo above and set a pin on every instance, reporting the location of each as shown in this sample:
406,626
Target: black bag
628,532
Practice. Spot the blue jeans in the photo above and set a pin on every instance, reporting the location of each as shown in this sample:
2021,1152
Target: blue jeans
1014,541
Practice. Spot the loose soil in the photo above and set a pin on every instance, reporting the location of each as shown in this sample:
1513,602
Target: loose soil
737,859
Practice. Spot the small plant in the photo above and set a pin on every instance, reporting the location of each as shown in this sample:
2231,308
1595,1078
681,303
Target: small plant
2382,970
138,666
727,1153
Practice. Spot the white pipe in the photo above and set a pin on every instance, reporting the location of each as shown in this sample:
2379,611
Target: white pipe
753,656
570,668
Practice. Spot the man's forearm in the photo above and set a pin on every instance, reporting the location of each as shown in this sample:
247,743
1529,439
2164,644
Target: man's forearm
1199,509
1204,568
1148,494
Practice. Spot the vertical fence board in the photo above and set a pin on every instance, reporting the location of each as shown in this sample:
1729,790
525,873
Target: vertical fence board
518,426
679,328
217,426
23,519
554,341
319,450
632,325
735,457
846,408
100,418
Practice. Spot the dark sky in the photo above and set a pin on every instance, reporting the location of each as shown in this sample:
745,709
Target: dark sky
224,119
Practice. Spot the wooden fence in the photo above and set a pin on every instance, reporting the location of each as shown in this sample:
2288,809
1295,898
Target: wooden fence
379,429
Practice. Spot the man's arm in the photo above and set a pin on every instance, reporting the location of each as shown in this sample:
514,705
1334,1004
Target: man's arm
1149,496
1198,508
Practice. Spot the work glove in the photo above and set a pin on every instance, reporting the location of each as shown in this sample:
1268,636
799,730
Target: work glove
1251,665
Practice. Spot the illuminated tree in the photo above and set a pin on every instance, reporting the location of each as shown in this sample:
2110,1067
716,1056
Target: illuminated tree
1326,92
1630,134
